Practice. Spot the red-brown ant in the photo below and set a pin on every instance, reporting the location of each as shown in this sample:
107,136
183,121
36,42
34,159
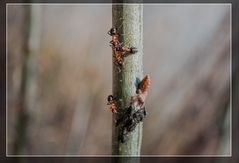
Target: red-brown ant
120,51
112,102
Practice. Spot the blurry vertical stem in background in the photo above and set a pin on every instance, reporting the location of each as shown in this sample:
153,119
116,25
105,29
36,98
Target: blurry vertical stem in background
128,18
27,94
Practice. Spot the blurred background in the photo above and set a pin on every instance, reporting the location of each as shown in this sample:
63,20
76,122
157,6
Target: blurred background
59,73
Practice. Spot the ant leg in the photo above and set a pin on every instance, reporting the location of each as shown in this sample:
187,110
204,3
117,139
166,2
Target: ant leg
119,69
117,66
118,121
132,127
122,135
145,112
112,46
133,50
122,23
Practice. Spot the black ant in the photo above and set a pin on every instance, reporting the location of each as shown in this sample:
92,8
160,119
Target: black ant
136,112
129,121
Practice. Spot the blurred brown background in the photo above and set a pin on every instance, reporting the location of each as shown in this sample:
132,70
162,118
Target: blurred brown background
60,73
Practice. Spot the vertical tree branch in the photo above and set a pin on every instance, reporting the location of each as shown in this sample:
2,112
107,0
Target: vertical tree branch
27,92
128,18
21,123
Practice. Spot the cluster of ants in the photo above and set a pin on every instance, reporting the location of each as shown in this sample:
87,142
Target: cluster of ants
135,112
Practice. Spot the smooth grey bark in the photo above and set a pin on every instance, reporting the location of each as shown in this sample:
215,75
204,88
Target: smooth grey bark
128,18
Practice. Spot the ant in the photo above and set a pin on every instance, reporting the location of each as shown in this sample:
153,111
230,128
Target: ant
112,102
120,51
117,46
119,60
129,121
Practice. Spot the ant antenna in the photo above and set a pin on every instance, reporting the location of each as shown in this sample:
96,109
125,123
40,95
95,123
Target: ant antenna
121,23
